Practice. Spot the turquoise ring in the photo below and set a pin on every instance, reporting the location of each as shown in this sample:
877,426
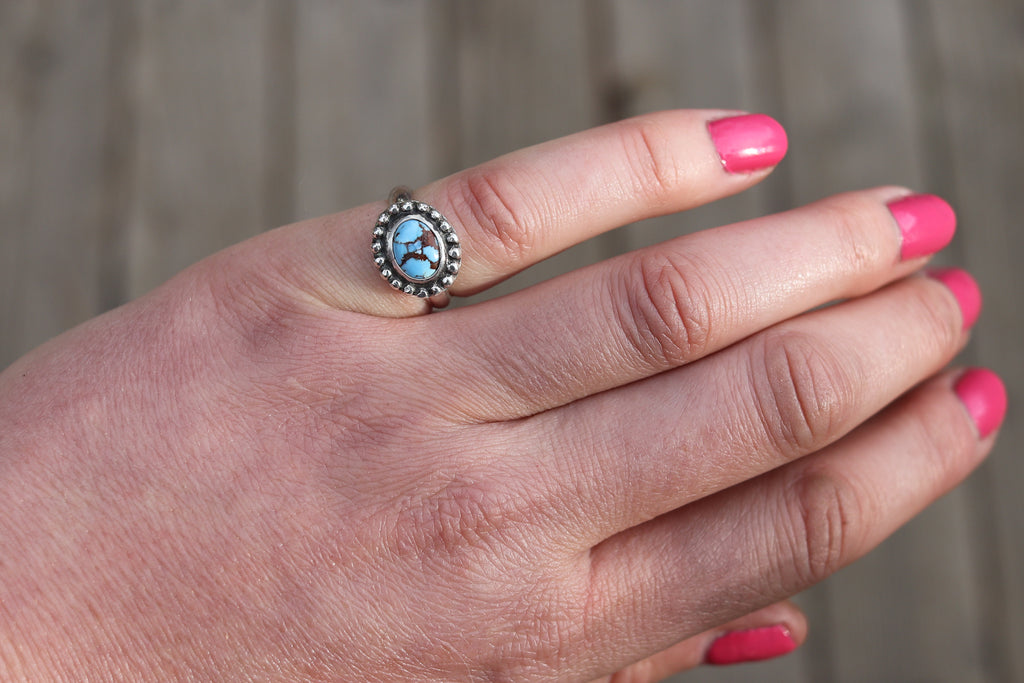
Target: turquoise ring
416,248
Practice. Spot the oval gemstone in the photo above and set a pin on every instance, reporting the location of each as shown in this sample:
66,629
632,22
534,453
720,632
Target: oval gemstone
416,249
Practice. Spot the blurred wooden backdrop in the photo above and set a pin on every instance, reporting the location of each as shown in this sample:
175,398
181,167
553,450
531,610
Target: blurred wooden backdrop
137,136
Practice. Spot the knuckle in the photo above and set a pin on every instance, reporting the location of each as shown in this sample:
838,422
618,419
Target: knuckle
488,199
802,391
937,316
461,516
458,517
653,171
946,438
947,443
262,322
850,217
824,517
556,635
666,312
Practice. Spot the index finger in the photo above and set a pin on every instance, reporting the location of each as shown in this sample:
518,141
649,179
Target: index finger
531,204
523,207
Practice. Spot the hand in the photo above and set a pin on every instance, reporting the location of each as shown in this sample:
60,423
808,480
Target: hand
274,467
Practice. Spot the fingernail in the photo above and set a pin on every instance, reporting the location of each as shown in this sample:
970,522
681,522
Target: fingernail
984,395
750,645
964,288
927,224
749,142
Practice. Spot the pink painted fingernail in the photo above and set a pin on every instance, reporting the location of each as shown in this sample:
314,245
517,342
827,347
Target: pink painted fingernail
750,645
984,395
927,224
749,142
964,288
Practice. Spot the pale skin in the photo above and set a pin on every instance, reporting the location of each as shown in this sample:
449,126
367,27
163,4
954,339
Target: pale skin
274,467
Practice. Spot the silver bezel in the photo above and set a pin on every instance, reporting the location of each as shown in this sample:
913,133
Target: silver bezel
383,252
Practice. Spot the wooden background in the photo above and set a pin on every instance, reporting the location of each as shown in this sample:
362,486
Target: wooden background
138,136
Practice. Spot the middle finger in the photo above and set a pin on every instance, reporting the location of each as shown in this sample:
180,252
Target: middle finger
662,307
789,391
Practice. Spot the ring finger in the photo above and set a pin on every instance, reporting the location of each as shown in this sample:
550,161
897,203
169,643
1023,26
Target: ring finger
656,445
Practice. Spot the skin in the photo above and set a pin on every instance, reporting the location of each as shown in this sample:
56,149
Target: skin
276,468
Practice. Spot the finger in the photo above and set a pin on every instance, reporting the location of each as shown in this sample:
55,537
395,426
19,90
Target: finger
769,632
516,210
662,307
776,535
528,205
657,445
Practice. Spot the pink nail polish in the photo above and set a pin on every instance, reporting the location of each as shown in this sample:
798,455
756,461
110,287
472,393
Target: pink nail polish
927,224
750,645
984,395
749,142
964,288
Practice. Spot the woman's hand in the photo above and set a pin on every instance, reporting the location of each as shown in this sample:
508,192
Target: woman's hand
275,468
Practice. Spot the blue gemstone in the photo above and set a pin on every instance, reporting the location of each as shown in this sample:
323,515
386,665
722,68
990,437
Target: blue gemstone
416,249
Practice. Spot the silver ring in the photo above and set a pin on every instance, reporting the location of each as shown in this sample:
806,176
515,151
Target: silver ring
416,248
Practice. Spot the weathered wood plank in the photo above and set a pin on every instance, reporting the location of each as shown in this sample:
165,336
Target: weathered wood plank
702,55
201,160
979,56
901,613
848,96
16,24
364,102
523,77
55,64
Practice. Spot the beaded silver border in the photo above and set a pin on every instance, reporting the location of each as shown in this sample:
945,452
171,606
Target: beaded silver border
383,256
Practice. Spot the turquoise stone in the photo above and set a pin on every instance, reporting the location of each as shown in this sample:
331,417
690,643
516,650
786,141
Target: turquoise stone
416,250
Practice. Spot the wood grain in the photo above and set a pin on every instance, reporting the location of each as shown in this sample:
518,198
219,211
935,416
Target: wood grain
979,87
